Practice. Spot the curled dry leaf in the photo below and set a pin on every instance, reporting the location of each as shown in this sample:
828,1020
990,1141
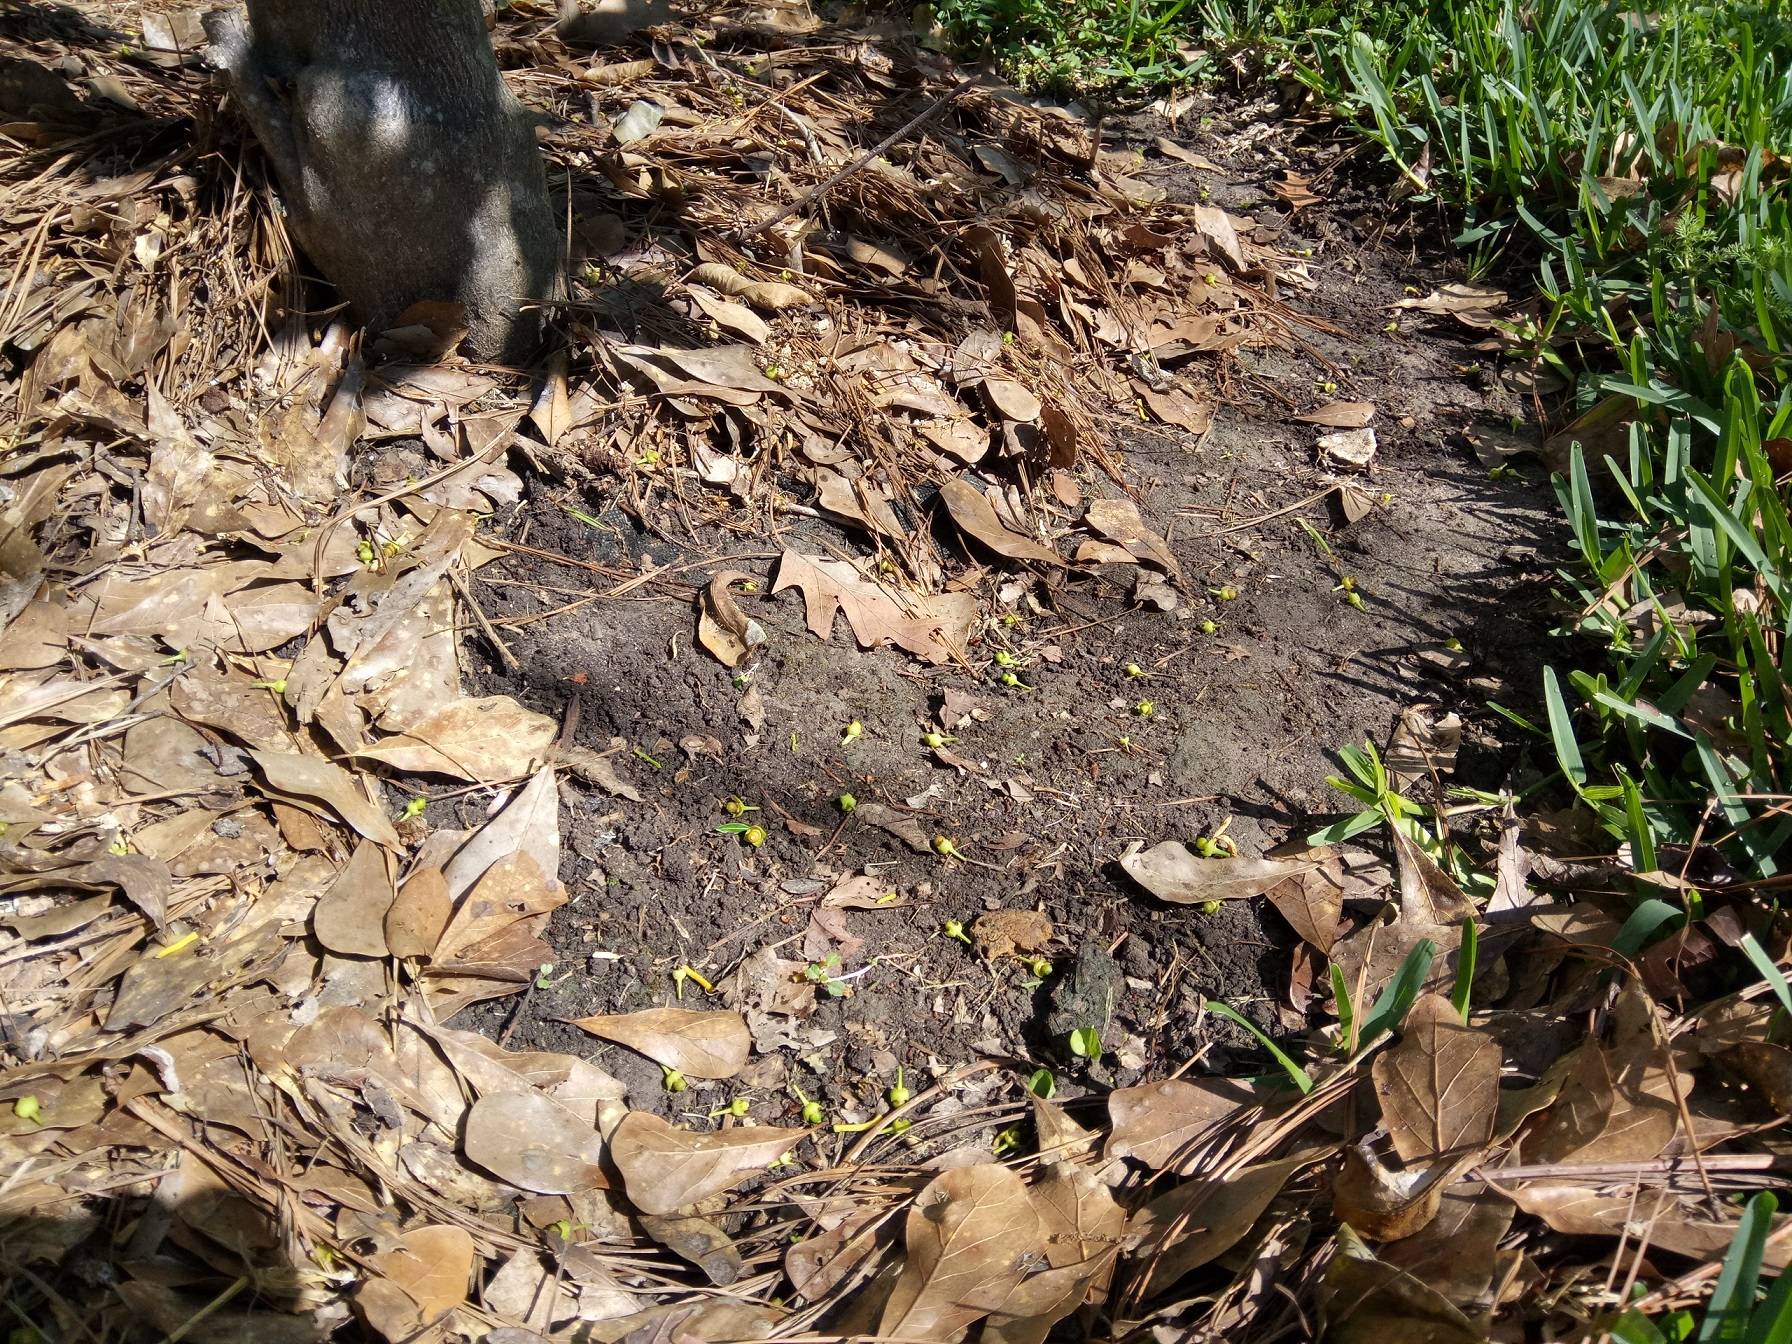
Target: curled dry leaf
971,1235
1171,872
724,629
1439,1086
534,1143
973,514
666,1169
697,1044
488,740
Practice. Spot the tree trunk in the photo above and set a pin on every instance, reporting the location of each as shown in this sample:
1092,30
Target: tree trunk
408,170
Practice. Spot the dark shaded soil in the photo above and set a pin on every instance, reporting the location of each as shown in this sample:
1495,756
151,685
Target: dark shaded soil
1066,773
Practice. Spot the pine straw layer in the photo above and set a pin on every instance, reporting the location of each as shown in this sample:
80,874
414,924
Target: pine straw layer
233,1107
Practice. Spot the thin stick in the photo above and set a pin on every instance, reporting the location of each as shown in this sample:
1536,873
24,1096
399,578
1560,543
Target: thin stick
902,132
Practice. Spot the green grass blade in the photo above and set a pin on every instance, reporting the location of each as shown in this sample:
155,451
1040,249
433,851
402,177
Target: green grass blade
1392,1004
1297,1075
1733,1300
1465,968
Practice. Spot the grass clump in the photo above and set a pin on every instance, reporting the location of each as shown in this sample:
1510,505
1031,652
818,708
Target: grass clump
1088,48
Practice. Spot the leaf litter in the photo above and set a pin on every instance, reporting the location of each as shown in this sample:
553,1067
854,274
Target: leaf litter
229,926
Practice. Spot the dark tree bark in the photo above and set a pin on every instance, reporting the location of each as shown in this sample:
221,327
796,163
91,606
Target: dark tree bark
408,170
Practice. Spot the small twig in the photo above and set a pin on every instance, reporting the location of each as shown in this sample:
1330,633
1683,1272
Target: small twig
466,591
902,132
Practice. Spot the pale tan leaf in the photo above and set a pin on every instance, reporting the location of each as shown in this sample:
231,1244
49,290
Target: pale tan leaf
350,918
1171,872
534,1143
667,1169
304,777
1440,1085
930,627
697,1044
486,739
971,1235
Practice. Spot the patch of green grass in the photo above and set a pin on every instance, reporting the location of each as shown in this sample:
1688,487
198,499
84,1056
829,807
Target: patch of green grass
1112,48
1630,159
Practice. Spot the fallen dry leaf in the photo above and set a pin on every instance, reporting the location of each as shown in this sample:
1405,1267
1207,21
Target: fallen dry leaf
932,628
1202,1219
1171,872
1439,1085
534,1143
970,1236
667,1169
974,515
488,740
697,1044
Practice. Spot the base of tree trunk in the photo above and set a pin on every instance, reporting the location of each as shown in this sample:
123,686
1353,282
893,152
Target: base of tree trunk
408,171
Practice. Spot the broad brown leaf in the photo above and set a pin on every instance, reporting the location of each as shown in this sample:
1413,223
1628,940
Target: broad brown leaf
432,1264
534,1143
1156,1122
1368,1301
1439,1087
1204,1218
697,1044
976,516
970,1235
667,1169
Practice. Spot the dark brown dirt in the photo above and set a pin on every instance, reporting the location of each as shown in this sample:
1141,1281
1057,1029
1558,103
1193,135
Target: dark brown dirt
1067,774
